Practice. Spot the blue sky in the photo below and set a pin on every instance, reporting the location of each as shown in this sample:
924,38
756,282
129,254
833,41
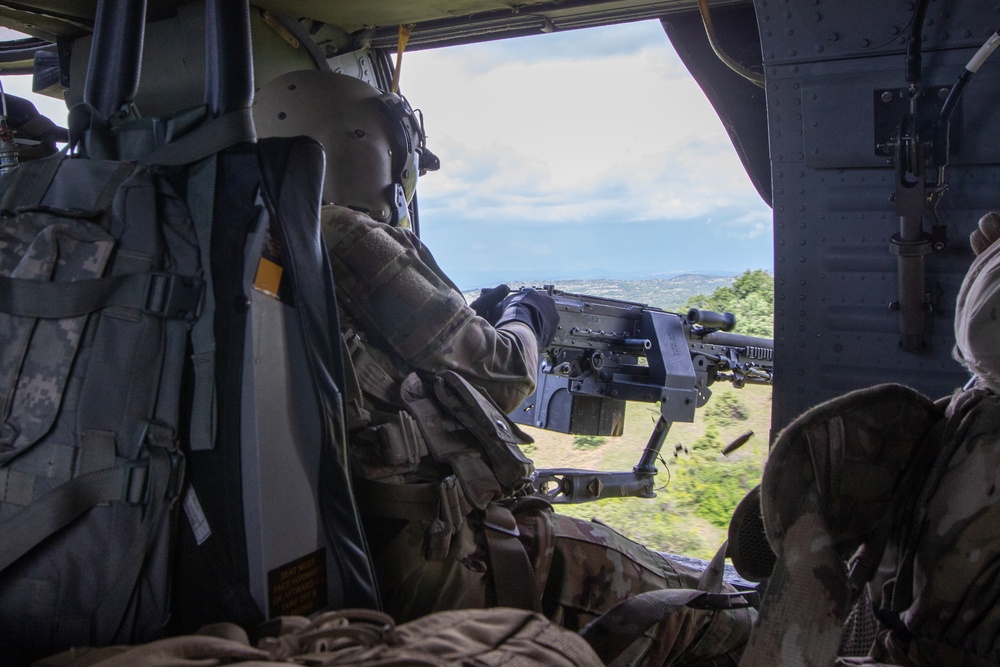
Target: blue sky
589,153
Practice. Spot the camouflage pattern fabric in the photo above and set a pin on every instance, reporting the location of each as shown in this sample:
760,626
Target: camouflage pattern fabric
391,290
830,490
946,595
36,357
89,402
584,568
356,637
594,568
408,316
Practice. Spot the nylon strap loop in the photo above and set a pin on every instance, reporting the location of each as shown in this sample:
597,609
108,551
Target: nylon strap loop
161,294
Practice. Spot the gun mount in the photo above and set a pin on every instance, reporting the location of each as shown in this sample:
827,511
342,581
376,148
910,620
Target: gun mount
606,352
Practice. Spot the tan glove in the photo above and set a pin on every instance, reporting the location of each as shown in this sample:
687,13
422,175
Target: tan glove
988,232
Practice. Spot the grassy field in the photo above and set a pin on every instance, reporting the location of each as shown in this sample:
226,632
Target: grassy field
697,489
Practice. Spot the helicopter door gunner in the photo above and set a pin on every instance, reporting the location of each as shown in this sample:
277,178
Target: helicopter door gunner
438,476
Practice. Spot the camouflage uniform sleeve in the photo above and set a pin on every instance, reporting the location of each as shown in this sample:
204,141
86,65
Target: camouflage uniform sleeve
392,287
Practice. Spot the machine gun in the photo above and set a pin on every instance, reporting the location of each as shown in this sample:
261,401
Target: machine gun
594,364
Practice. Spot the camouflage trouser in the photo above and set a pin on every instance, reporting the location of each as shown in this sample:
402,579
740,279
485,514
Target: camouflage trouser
583,569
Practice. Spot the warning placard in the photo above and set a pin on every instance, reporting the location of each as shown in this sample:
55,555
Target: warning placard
299,587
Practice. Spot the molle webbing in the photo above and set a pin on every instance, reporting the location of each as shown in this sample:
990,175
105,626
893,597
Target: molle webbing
441,505
449,443
367,377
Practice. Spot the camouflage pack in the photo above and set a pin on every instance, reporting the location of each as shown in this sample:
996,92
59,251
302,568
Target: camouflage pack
359,637
941,608
882,509
835,484
99,283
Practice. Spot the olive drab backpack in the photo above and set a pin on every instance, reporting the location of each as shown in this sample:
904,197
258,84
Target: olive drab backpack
169,341
100,281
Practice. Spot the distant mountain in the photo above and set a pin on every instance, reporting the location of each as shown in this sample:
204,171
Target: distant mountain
473,280
667,293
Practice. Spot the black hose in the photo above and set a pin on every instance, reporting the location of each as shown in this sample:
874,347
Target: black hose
913,51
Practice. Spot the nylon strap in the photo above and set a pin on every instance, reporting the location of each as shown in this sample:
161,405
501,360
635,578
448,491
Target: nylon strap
618,628
58,508
370,377
421,501
207,139
163,490
510,567
201,204
31,182
57,300
412,502
357,415
404,37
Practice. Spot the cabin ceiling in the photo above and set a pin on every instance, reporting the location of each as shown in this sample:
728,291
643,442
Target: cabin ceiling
436,22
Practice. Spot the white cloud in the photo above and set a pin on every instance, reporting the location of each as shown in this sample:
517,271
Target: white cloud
581,150
618,137
47,106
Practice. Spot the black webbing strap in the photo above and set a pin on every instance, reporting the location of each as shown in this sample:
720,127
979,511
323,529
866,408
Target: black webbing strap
31,183
162,294
510,567
209,138
618,628
163,480
61,506
204,403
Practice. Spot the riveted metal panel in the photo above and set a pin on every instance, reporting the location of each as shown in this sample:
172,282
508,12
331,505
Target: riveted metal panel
835,277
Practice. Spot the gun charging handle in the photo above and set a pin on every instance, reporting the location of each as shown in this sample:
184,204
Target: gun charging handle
711,320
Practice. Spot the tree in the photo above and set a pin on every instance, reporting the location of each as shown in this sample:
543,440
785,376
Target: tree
588,441
750,298
725,408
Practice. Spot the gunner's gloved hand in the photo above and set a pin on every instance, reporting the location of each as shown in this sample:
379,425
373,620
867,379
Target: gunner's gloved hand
535,308
486,303
988,232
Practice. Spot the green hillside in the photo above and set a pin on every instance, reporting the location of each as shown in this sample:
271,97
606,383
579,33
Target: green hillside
698,488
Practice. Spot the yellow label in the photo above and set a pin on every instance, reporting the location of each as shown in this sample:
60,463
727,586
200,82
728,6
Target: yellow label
298,588
268,278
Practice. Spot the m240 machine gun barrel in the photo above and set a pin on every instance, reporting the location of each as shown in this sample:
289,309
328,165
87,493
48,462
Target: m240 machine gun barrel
606,352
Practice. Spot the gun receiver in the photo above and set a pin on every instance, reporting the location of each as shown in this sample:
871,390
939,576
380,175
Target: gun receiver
594,364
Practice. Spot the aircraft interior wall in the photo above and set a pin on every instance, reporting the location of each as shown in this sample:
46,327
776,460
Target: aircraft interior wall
836,72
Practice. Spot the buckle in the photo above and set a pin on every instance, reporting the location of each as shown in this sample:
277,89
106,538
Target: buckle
496,514
135,484
737,600
173,296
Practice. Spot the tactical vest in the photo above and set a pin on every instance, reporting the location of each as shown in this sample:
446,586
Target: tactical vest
430,449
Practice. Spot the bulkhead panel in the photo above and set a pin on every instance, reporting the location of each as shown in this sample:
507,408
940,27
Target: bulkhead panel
834,73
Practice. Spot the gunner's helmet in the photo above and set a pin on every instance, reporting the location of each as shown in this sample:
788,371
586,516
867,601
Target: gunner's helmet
373,141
